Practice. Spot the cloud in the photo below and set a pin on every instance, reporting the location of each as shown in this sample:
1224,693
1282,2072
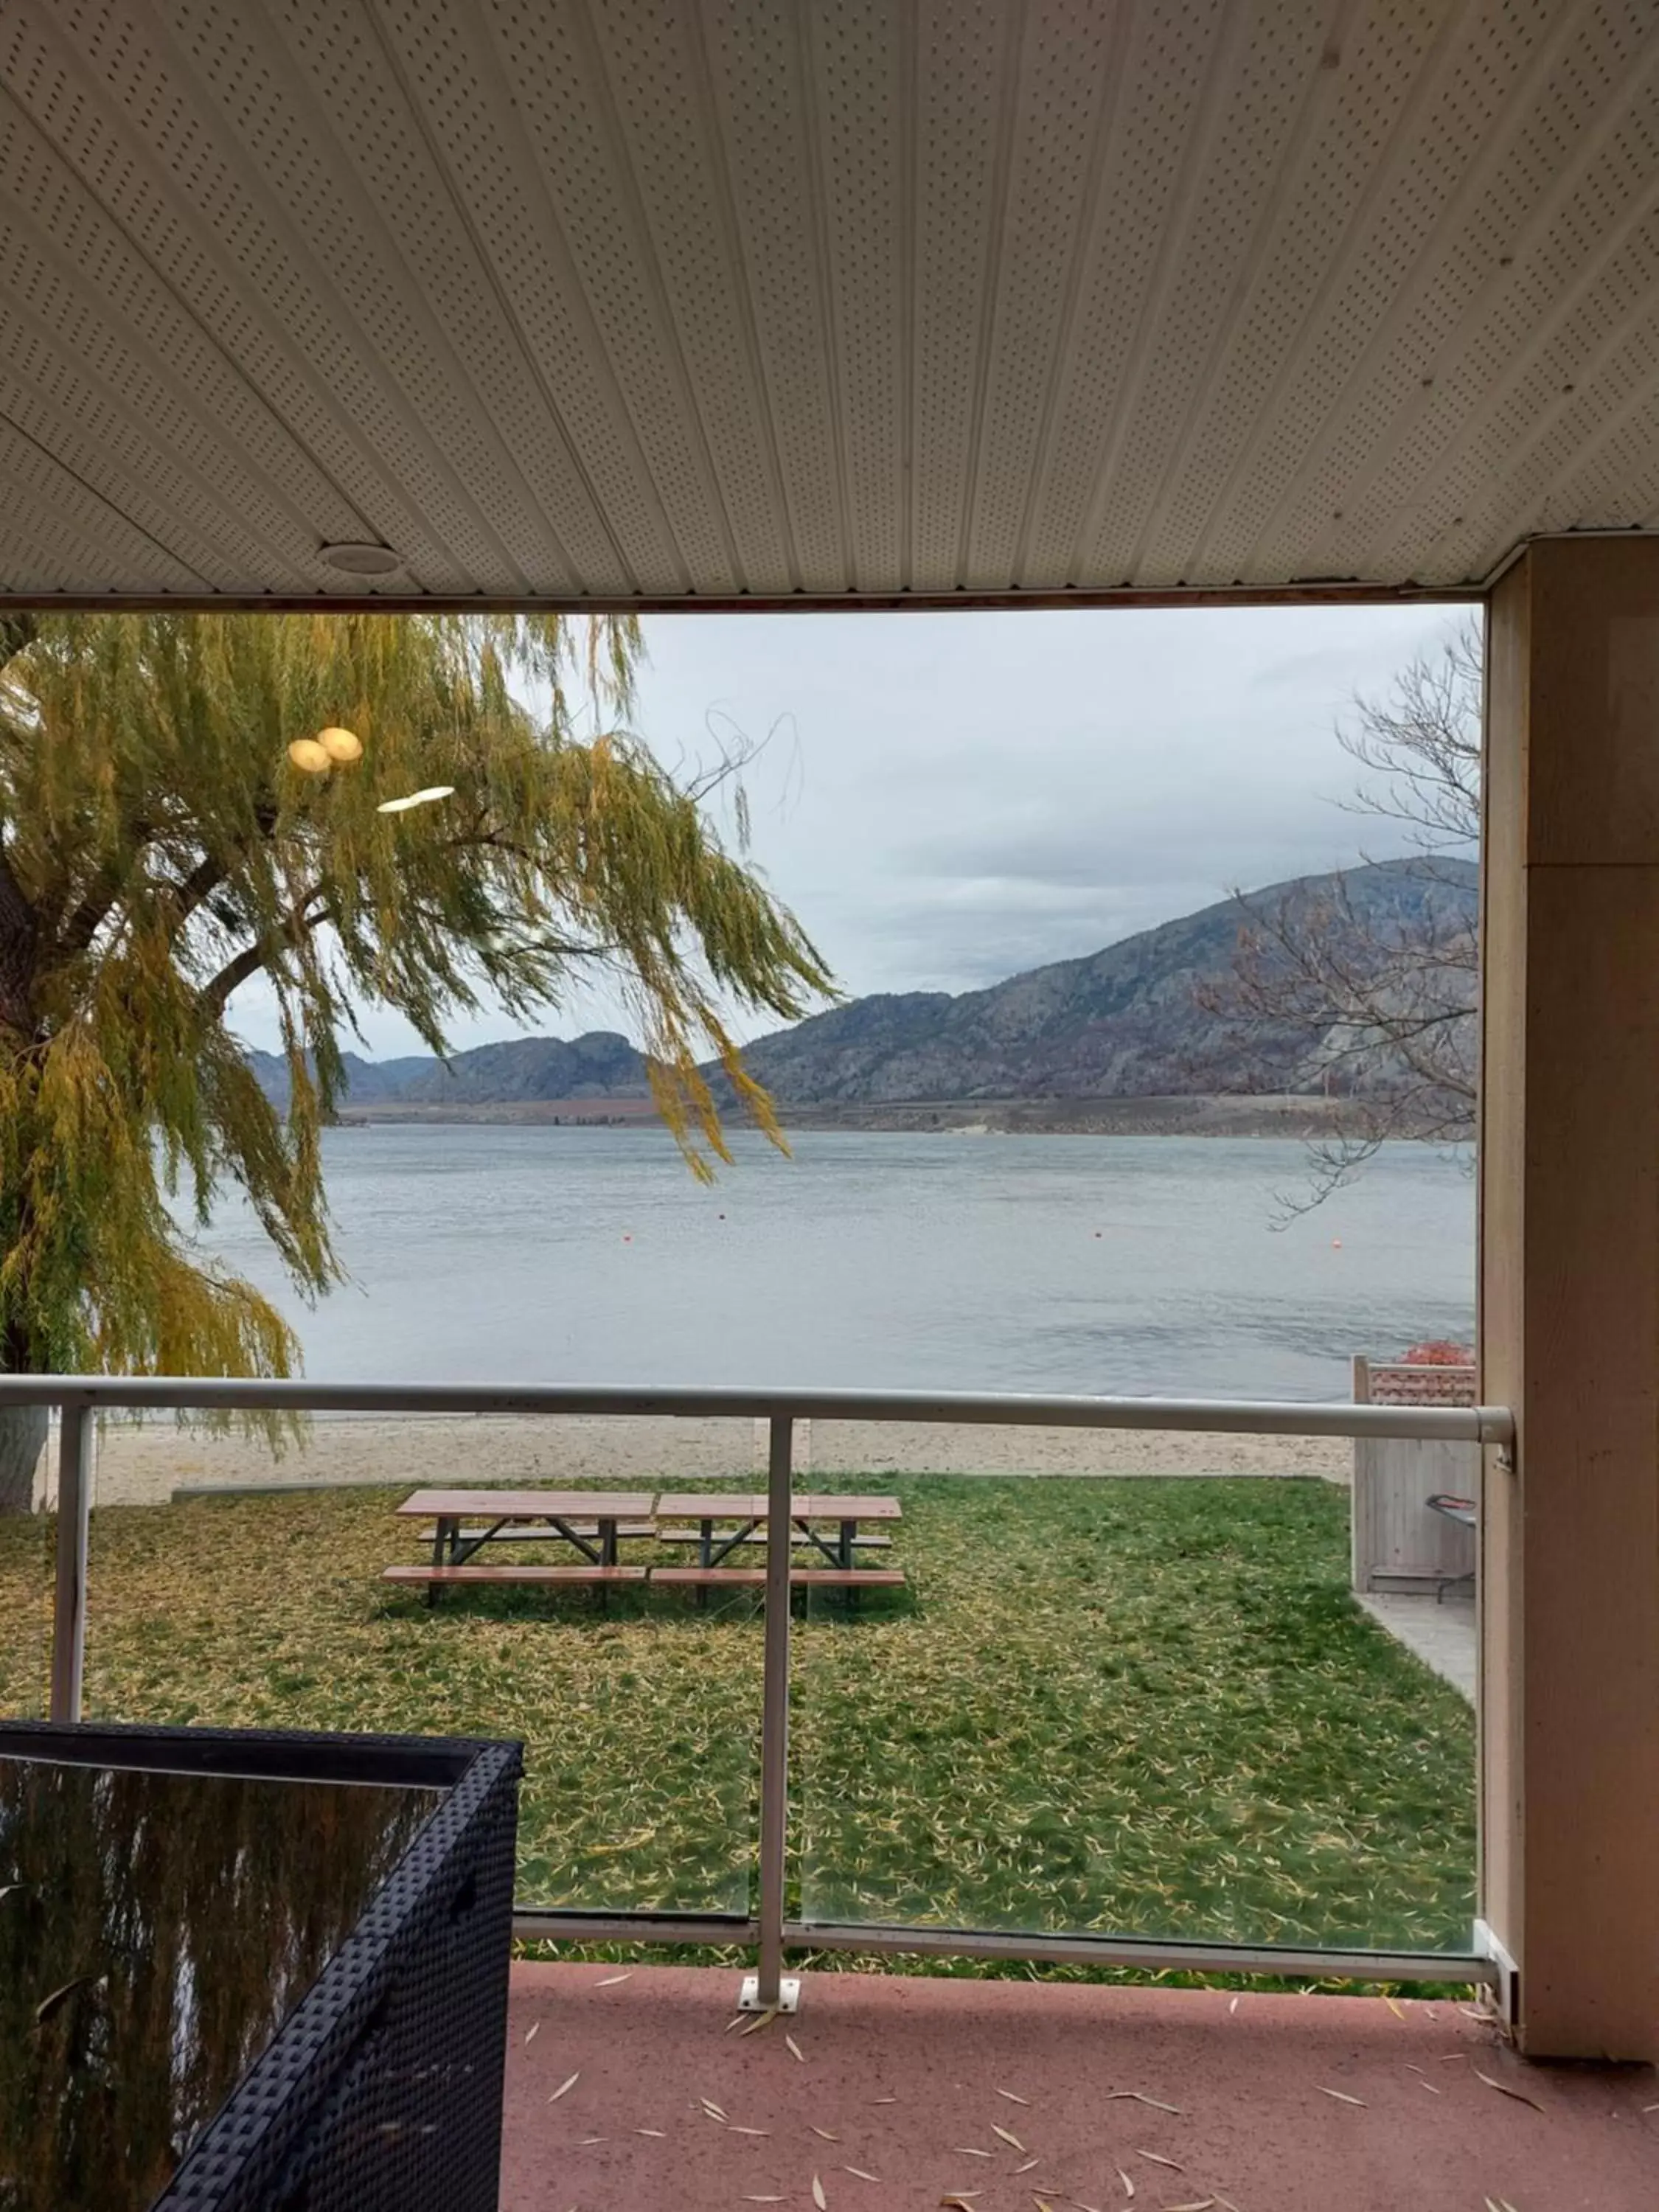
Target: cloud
950,798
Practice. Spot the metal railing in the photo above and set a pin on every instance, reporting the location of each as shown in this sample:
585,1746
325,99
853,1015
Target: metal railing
79,1399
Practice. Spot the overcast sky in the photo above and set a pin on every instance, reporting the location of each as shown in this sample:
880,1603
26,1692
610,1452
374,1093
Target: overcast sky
946,800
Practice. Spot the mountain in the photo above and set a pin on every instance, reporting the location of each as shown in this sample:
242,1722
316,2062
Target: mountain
1130,1022
524,1070
371,1080
600,1065
1127,1022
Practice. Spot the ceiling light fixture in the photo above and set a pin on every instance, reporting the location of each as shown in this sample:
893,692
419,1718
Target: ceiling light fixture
361,560
416,798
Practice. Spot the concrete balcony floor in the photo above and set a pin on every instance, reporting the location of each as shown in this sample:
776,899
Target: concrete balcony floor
904,2073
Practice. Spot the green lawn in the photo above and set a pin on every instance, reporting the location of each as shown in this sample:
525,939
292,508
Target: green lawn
1148,1706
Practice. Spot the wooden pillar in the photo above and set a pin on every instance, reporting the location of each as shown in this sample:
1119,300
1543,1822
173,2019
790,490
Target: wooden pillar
1569,1293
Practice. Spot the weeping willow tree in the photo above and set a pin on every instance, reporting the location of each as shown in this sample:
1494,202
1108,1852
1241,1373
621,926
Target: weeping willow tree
160,848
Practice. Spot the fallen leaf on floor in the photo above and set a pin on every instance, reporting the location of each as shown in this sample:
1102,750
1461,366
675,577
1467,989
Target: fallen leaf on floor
967,2150
1429,2085
1505,2090
1340,2095
1008,2136
1029,2164
1013,2099
818,2198
859,2173
825,2133
565,2086
1202,2204
1128,2185
751,2131
766,2200
796,2049
1399,2011
1174,2164
1451,2058
611,1980
884,2101
760,2020
710,2105
587,2141
532,2032
650,2131
1117,2096
1233,2006
963,2200
730,2024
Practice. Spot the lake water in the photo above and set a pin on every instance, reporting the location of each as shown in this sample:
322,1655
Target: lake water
1094,1264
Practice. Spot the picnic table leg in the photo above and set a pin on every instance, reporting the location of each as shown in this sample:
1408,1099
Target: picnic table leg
850,1530
607,1559
705,1559
441,1543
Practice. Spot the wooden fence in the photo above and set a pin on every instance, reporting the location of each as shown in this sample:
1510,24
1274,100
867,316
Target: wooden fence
1398,1542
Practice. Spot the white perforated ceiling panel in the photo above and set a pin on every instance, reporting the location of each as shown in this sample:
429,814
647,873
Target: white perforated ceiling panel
756,299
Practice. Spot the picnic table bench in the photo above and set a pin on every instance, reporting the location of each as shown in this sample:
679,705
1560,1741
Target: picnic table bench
592,1522
745,1519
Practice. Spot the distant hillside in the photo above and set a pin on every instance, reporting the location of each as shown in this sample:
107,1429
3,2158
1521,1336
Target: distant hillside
1125,1023
524,1070
1129,1021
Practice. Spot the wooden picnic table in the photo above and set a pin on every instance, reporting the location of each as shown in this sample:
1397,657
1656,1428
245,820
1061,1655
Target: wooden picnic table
751,1513
589,1521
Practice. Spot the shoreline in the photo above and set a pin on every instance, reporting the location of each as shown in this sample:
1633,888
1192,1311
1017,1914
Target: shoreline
1290,1116
145,1463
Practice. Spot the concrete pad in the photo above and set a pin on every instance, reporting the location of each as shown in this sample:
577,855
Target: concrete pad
904,2073
1442,1634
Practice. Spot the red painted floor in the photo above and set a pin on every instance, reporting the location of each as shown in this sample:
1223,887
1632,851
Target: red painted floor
907,2075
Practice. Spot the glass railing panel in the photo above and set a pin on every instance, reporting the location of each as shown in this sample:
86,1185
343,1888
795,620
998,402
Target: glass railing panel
28,1537
234,1585
1128,1688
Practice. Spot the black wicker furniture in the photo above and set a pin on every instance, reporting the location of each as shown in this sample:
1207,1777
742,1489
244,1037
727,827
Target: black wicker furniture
252,1971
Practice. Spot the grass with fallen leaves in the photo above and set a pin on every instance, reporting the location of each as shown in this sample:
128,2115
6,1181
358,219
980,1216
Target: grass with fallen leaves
1144,1706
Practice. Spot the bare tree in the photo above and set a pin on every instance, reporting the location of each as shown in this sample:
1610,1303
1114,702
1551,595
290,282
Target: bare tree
1380,980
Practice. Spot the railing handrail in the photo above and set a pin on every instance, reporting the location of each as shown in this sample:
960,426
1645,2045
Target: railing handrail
1487,1425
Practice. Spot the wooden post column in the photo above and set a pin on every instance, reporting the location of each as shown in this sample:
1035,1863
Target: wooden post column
1569,1293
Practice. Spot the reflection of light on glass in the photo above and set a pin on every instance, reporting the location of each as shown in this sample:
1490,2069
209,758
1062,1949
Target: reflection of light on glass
342,746
310,755
416,798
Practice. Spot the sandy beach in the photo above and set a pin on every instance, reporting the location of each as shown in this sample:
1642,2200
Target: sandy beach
146,1464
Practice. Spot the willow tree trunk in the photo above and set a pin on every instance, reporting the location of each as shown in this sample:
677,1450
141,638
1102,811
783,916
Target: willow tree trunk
22,1438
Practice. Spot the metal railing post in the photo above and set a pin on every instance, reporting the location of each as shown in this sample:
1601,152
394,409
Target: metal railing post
69,1630
768,1990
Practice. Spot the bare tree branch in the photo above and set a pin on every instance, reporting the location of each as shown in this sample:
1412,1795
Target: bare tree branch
1382,998
302,922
